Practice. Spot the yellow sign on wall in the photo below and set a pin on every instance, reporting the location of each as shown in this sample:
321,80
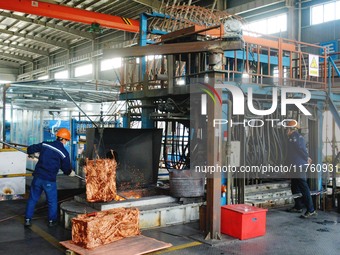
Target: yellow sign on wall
313,65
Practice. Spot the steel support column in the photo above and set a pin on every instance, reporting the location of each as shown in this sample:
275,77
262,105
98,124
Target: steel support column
226,145
213,214
320,111
292,20
147,109
126,121
170,68
142,41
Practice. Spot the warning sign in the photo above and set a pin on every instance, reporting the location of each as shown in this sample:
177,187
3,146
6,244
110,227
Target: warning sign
313,61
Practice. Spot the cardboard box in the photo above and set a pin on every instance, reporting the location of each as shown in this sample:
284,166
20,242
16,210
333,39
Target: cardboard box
243,221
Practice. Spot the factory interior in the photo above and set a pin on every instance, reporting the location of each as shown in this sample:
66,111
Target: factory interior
179,117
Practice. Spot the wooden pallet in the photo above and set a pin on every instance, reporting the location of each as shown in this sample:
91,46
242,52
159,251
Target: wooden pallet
128,246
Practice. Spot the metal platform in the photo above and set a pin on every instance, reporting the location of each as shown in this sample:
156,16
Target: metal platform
155,211
273,195
151,200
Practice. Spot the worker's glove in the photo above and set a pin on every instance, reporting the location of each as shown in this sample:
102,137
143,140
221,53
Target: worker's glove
72,174
309,161
31,155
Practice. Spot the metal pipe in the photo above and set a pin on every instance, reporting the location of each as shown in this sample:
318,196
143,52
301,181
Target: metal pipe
81,178
5,87
39,101
334,163
16,148
14,175
12,122
228,150
64,89
3,113
299,25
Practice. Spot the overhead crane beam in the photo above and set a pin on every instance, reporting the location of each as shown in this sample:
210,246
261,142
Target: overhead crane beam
69,13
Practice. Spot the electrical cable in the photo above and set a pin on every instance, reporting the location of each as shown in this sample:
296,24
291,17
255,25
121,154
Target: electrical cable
173,145
263,145
179,156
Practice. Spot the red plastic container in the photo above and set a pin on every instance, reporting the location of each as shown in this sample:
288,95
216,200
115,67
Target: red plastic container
243,221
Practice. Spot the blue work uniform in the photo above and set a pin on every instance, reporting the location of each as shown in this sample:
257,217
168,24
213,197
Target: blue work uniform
297,152
53,156
297,156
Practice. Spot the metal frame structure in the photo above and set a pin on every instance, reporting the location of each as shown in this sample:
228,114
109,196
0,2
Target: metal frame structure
36,32
221,58
257,57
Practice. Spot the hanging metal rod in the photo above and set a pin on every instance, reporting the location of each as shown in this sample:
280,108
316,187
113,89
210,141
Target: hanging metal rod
75,103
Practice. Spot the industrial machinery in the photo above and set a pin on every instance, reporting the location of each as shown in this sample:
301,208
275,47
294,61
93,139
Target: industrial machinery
237,86
135,169
222,98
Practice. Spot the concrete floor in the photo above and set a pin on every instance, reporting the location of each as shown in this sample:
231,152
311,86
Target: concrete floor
286,233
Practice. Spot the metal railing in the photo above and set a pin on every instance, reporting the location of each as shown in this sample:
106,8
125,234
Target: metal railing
265,60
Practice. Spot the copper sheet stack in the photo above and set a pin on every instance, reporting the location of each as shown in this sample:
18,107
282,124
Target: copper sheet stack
95,229
100,180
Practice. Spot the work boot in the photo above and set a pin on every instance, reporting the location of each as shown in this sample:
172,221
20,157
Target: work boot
308,214
52,223
27,223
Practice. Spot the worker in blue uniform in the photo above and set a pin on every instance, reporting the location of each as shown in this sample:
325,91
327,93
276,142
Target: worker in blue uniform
297,158
53,156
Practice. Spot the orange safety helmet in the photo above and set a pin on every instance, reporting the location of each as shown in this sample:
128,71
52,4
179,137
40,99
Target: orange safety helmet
64,133
293,124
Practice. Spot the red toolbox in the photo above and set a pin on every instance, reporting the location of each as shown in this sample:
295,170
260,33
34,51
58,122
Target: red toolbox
243,221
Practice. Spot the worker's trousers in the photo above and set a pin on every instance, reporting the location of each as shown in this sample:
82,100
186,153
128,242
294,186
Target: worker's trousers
37,187
300,185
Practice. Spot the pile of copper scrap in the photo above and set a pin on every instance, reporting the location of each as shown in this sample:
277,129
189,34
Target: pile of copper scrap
132,194
99,228
119,197
100,180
